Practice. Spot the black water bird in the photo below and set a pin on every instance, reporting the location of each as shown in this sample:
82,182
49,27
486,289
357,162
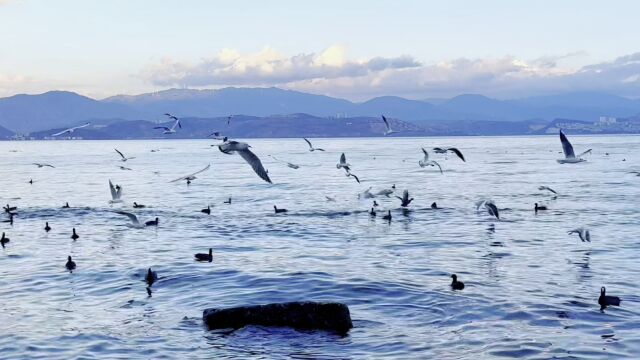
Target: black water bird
3,240
205,257
66,206
75,236
138,206
151,277
10,219
47,228
207,210
434,205
8,208
405,199
278,211
228,201
372,212
375,203
70,265
606,300
31,181
388,216
539,207
152,222
455,284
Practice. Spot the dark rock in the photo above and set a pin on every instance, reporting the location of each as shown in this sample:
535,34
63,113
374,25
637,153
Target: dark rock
298,315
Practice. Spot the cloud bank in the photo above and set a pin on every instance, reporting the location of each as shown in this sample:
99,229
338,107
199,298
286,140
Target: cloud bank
331,72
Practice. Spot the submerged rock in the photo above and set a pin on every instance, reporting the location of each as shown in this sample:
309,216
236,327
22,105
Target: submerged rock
298,315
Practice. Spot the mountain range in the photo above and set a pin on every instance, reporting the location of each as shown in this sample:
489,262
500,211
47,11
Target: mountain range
58,109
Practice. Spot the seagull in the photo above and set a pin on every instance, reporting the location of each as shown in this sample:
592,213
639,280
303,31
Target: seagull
151,277
70,130
547,188
606,300
311,148
70,265
134,219
343,163
439,150
491,208
116,193
171,130
229,147
405,199
426,162
205,257
455,284
124,168
293,166
192,176
124,158
386,123
216,135
171,116
583,234
40,165
569,156
385,192
349,174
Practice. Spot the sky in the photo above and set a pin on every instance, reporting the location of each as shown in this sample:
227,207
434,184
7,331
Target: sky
350,49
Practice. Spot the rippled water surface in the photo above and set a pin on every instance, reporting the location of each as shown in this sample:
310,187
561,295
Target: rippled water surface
531,289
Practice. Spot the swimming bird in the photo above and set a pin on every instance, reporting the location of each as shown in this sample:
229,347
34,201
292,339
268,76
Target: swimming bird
426,162
124,168
151,277
388,216
116,193
70,130
375,203
372,212
455,284
405,201
40,165
153,222
547,188
172,129
31,181
434,205
343,163
3,240
569,155
583,234
389,131
606,300
228,201
75,236
124,158
311,148
293,166
138,206
278,211
205,257
439,150
66,206
192,176
230,147
539,207
70,265
10,219
9,208
206,210
47,228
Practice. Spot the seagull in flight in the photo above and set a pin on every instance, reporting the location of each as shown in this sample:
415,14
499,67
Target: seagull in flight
426,162
172,129
439,150
40,165
389,131
116,193
192,176
135,222
216,135
242,149
311,148
124,158
229,119
582,233
349,174
541,188
343,163
293,166
124,168
70,130
171,116
569,156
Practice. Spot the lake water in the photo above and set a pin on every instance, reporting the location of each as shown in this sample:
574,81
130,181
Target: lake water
531,289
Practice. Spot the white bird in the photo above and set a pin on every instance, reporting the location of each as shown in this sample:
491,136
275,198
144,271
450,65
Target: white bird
311,148
116,193
569,156
367,194
124,158
343,163
172,129
426,162
134,219
582,233
389,131
70,130
230,147
39,165
385,192
192,176
439,150
293,166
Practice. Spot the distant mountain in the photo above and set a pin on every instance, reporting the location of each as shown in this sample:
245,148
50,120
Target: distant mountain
5,133
27,113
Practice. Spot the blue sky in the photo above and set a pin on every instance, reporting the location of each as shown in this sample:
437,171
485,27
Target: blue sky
352,49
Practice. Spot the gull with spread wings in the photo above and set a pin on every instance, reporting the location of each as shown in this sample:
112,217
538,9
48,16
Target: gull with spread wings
192,176
70,130
229,147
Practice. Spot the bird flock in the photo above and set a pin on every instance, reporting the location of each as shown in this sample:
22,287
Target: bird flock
231,147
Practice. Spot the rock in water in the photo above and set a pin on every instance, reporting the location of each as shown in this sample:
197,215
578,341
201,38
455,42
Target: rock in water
298,315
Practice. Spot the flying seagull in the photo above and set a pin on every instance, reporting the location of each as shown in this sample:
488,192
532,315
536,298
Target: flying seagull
171,116
216,135
116,193
311,148
583,234
293,166
172,129
352,175
547,188
192,176
343,163
230,147
569,156
426,162
439,150
135,222
39,165
124,168
389,131
70,130
124,158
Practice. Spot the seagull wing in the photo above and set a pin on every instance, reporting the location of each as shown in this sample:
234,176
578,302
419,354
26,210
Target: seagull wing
343,159
194,174
493,209
566,146
386,123
426,155
162,127
308,142
585,153
134,219
120,153
61,132
457,152
438,165
114,193
255,163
